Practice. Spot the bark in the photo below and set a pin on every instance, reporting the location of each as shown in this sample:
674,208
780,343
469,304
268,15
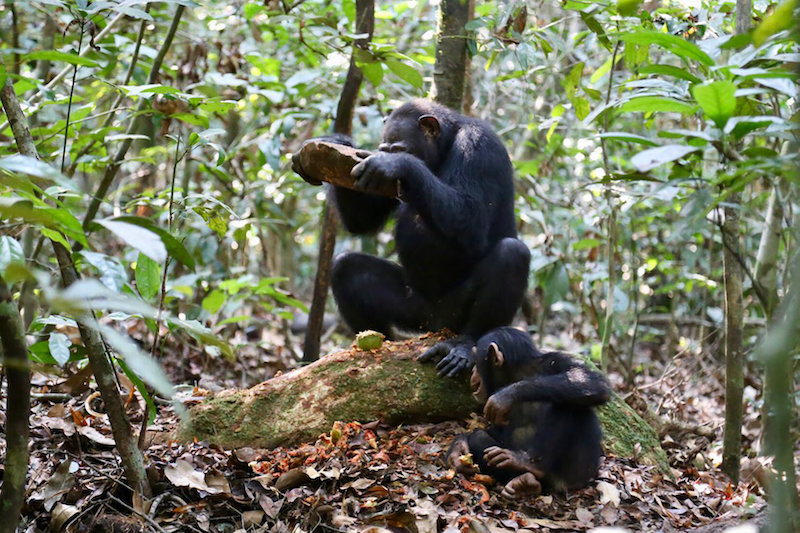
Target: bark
18,405
734,353
365,24
734,312
132,460
332,163
449,72
387,384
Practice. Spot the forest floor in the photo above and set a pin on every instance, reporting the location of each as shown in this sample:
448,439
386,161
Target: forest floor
371,477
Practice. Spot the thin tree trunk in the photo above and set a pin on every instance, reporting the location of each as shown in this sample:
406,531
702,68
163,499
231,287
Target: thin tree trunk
18,406
132,460
365,24
449,72
734,354
734,311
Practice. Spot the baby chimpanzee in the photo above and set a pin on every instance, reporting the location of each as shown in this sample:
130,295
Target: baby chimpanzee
544,434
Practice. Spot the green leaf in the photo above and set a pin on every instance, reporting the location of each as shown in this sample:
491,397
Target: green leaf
717,99
142,239
11,253
780,19
628,7
627,137
148,277
66,57
657,104
112,274
556,286
586,244
30,166
59,347
214,301
597,29
582,107
671,43
373,72
174,246
573,79
142,364
650,159
405,72
669,70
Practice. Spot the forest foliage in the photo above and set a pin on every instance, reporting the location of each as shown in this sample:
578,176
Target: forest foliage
632,127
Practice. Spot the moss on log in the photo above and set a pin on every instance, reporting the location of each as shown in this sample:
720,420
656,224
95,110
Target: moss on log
364,385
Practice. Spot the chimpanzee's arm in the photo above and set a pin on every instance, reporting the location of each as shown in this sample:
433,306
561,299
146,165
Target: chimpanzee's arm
460,202
559,379
360,212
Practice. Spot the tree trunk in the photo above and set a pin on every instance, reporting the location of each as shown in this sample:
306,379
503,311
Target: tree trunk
734,311
132,460
18,407
449,72
365,23
387,384
734,355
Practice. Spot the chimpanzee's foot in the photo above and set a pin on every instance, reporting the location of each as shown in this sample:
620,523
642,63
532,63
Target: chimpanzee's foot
521,486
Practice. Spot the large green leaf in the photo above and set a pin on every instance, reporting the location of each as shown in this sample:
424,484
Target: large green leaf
144,240
653,104
669,70
148,277
672,43
175,248
405,72
55,55
717,99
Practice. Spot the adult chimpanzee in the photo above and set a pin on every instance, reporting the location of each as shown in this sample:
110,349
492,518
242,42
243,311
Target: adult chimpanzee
544,433
461,265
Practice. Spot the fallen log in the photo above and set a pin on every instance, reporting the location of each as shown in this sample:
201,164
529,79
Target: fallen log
332,163
386,383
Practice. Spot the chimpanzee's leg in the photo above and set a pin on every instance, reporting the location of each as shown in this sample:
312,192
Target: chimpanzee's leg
372,293
487,300
567,446
479,441
496,289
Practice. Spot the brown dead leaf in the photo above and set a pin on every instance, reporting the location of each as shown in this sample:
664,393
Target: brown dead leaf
95,436
608,493
584,515
183,474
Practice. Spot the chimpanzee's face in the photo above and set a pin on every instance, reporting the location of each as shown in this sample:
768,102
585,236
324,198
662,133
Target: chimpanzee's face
478,387
403,133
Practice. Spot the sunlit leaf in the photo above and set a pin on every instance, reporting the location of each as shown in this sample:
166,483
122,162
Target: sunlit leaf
717,99
672,43
650,159
142,239
59,344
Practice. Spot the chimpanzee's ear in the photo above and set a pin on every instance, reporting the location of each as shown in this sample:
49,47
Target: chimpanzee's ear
495,355
430,125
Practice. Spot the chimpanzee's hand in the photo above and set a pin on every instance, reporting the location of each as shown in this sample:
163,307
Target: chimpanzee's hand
457,356
507,459
497,409
298,168
459,457
377,168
